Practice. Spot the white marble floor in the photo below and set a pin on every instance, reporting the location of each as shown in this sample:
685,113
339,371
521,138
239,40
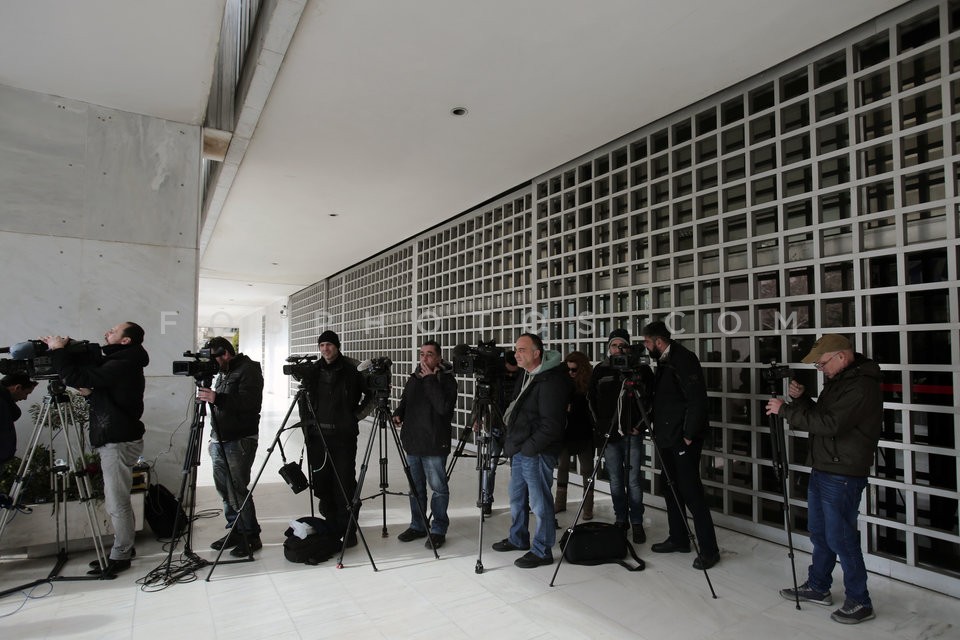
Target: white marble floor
412,594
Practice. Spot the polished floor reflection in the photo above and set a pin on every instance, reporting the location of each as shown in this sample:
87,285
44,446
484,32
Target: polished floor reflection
412,594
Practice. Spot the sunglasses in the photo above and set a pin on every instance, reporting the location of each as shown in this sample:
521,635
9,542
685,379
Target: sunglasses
572,369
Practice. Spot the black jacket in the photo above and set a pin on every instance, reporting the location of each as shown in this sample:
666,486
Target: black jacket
537,417
236,411
845,422
605,386
116,402
9,414
426,409
340,397
679,398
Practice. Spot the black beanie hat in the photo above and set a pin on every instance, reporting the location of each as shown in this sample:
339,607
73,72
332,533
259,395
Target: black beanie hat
329,336
618,333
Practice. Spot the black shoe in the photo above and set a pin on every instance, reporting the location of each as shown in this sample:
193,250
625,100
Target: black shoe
246,547
226,542
410,535
851,613
705,561
806,593
639,535
113,568
669,546
487,509
530,560
95,564
506,545
437,538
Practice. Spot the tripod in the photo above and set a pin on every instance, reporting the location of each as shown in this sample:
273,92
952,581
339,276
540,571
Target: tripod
781,467
58,400
484,415
382,423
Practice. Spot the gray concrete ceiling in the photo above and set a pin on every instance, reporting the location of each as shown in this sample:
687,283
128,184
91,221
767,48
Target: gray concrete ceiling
358,121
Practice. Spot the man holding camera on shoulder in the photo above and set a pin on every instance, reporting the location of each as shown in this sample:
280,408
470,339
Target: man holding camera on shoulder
235,403
844,426
622,419
680,419
114,389
340,400
425,414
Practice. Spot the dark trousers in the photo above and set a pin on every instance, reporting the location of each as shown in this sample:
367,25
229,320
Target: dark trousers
339,457
682,465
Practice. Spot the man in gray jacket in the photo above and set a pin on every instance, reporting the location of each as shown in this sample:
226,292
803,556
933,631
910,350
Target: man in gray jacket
844,426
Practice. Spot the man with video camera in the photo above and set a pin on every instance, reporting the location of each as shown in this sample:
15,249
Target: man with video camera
235,402
424,416
340,399
680,419
114,389
621,418
844,424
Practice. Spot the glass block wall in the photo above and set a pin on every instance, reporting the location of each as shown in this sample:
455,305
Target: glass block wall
820,196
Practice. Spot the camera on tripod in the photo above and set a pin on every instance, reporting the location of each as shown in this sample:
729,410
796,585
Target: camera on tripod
202,367
300,367
774,374
629,360
25,357
484,362
376,374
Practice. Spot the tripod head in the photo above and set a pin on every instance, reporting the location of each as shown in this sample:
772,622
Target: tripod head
773,375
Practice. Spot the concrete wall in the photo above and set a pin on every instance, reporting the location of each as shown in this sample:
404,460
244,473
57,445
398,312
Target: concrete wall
98,225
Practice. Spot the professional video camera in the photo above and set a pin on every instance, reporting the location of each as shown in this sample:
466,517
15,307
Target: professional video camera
630,359
202,367
25,357
300,367
376,373
485,361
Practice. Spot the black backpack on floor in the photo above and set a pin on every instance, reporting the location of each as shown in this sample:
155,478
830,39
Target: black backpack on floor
161,510
593,543
317,547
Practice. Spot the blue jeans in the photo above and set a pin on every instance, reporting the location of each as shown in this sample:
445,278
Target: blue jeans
232,462
531,478
432,470
833,503
627,496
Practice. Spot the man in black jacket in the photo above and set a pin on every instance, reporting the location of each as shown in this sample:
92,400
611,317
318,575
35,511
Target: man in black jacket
844,425
535,422
114,390
13,388
425,414
680,419
340,400
235,401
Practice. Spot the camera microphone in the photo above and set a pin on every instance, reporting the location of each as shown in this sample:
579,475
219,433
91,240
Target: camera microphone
363,366
461,350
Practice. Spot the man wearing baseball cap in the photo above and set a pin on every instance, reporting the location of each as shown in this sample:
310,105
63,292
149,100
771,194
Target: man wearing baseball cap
844,425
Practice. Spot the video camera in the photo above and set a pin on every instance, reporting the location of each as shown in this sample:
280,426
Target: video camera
629,360
376,373
485,361
203,366
300,367
25,357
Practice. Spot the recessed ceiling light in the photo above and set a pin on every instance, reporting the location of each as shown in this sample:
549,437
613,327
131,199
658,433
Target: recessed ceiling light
458,111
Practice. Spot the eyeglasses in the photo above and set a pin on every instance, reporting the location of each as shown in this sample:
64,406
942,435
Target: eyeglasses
820,365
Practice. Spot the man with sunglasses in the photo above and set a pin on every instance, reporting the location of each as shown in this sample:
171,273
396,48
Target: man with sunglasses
844,426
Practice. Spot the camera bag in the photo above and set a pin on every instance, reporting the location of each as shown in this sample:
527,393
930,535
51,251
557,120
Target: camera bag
162,510
320,545
592,543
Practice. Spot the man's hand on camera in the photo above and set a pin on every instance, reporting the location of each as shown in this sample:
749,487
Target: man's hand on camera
55,342
795,390
397,421
206,395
